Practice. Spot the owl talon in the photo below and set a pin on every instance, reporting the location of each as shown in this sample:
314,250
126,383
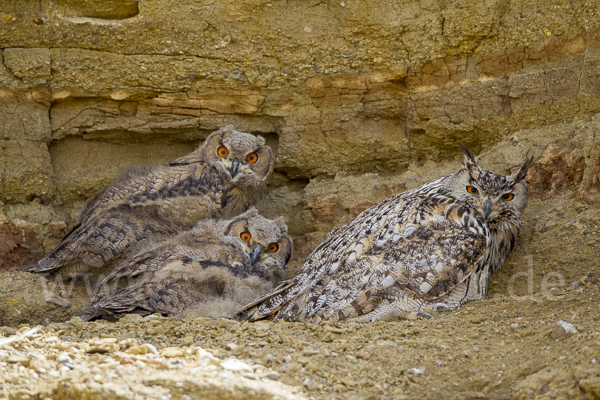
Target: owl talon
424,314
443,306
289,318
434,308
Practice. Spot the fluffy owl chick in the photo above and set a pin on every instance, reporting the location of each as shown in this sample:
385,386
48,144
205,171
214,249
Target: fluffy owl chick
429,248
211,270
221,179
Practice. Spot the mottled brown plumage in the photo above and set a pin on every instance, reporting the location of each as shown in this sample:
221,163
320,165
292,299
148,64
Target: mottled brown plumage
430,247
211,270
163,199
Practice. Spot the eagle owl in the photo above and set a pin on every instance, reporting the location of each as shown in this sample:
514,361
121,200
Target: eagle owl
211,270
221,179
416,252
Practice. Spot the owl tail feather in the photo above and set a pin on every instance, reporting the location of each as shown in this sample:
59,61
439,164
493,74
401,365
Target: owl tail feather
93,313
59,256
113,308
51,261
89,313
250,312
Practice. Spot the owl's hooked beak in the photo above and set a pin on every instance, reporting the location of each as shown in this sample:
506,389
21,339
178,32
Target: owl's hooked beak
255,255
234,167
487,208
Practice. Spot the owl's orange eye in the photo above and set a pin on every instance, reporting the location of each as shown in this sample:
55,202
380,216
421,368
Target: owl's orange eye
472,189
252,158
273,247
245,236
222,151
508,196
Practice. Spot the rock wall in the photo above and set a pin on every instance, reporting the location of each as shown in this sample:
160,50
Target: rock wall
359,99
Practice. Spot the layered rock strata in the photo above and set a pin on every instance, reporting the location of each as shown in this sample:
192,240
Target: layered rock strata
360,100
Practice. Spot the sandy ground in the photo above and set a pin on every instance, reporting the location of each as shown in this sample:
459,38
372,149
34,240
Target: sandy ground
504,347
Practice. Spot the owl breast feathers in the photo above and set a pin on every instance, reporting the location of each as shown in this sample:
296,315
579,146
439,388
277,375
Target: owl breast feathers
211,270
221,179
429,248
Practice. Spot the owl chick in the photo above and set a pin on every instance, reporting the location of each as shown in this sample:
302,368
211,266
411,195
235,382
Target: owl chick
416,252
221,179
211,270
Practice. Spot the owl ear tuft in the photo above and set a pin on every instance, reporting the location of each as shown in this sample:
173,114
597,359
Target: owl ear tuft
469,162
252,212
271,163
238,219
212,142
280,223
522,172
469,158
260,141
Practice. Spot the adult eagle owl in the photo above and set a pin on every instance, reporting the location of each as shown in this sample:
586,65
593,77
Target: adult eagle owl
428,248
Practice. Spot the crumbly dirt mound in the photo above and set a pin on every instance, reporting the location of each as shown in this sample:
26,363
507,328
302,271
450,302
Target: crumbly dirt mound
109,368
506,346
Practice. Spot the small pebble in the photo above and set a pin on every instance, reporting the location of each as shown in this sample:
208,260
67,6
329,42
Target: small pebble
64,359
312,385
563,329
347,381
150,348
137,350
273,375
310,352
204,357
97,349
236,365
333,329
172,352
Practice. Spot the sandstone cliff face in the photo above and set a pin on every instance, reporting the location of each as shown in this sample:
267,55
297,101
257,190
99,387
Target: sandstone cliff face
360,100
